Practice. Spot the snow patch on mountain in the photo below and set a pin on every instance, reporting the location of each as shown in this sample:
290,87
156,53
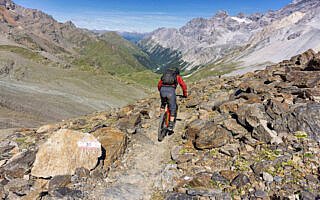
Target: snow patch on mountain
241,20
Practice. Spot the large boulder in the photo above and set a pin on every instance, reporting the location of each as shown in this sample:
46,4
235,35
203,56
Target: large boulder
5,149
304,79
130,123
17,187
313,65
240,181
236,129
216,99
230,106
254,86
212,136
64,152
303,59
114,143
263,133
250,115
306,118
19,165
193,129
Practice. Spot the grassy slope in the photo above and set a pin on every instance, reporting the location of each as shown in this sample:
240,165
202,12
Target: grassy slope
26,53
48,94
213,70
113,55
129,48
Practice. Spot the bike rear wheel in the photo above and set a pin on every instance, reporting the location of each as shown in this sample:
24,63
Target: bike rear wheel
162,131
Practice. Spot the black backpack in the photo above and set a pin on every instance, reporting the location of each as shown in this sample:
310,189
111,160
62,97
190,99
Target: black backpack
169,77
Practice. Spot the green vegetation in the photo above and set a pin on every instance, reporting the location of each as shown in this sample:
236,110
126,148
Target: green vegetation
241,164
21,140
113,55
26,53
184,151
301,134
213,70
215,184
214,152
309,155
113,38
99,55
129,48
172,162
145,78
268,154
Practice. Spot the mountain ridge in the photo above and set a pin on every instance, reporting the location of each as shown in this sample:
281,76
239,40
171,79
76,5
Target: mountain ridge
205,41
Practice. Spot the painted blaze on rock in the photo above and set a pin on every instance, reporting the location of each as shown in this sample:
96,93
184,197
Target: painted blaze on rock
64,152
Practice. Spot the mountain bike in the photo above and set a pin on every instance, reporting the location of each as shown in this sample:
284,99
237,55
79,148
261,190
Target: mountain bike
163,130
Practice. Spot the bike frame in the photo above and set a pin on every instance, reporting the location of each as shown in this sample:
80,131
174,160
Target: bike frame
167,116
164,123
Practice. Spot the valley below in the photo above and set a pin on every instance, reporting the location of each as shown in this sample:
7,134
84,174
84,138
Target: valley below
34,94
51,71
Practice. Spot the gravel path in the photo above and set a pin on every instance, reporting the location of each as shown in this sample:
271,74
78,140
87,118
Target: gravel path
139,174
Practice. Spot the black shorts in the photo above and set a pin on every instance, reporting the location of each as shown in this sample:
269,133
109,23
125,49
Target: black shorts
168,96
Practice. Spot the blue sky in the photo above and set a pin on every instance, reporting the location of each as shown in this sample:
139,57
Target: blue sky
143,15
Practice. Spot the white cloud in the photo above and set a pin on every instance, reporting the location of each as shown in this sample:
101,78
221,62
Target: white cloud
123,21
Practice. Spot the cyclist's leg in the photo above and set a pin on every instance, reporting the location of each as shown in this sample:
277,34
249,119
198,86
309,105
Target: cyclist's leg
163,101
172,101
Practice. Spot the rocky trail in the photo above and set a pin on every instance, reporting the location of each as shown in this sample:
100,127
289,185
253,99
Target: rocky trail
138,175
255,136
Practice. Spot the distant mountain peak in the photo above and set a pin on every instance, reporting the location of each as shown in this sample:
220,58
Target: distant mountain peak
241,15
296,1
221,14
70,23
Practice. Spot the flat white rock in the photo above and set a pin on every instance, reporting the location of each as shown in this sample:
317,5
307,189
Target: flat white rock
64,152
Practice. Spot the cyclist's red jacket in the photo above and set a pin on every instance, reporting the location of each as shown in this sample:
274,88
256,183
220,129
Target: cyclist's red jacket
180,82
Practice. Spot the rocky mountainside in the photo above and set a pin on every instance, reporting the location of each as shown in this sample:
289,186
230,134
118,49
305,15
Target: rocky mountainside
39,31
254,136
247,39
51,71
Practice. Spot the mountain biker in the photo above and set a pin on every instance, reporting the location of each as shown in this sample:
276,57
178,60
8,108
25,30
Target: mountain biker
167,87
